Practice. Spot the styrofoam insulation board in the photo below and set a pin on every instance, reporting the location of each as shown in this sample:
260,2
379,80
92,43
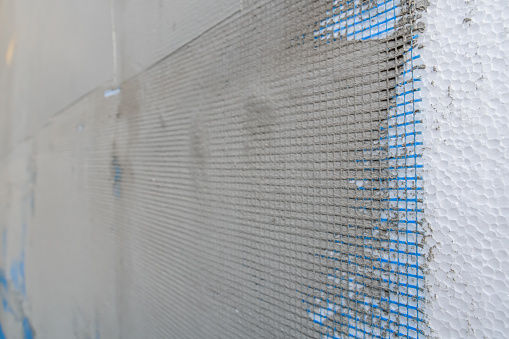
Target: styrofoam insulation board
465,104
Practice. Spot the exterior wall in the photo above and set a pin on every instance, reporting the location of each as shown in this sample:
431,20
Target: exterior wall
197,169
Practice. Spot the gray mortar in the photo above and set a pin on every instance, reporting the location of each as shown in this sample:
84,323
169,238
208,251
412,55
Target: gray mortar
262,136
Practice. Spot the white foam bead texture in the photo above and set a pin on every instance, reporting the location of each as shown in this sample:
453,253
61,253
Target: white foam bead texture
466,179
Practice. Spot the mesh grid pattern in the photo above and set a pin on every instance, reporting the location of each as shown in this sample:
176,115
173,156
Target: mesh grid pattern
263,181
394,244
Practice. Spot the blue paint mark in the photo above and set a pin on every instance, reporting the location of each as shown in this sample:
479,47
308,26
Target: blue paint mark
111,92
117,178
27,329
16,270
17,267
2,334
3,291
17,274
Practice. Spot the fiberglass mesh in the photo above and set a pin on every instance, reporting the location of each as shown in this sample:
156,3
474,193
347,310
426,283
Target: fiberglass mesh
262,181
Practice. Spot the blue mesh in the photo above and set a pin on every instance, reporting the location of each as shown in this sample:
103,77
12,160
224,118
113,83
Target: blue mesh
397,313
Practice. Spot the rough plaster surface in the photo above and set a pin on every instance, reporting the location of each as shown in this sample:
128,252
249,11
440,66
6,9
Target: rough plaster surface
466,96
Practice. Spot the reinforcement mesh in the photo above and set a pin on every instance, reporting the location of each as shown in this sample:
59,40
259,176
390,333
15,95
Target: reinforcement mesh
263,180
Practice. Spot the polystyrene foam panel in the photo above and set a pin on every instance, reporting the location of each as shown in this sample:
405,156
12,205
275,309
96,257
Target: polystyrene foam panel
465,100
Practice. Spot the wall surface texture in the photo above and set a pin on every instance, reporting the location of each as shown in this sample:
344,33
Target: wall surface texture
254,169
465,96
